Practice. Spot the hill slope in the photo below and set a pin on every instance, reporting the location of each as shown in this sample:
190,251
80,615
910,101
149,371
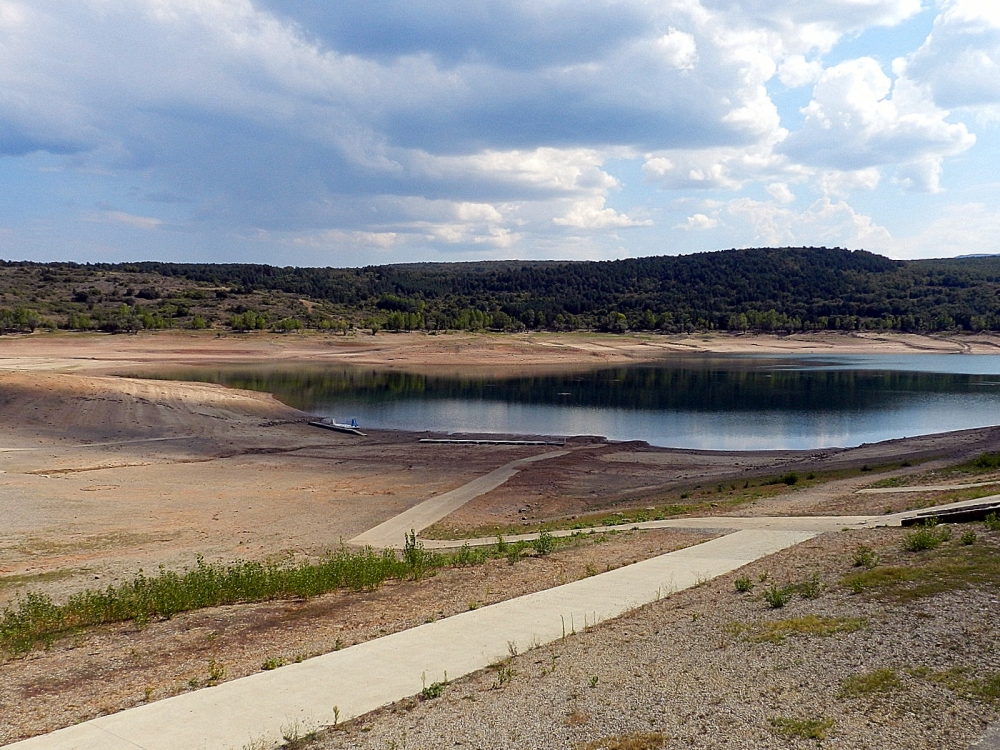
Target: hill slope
760,289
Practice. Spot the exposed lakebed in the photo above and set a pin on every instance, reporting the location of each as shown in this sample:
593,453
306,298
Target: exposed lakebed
708,402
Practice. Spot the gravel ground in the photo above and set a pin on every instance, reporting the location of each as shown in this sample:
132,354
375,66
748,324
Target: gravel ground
687,672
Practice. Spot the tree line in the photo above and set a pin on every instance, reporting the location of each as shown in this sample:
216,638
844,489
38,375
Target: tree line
762,289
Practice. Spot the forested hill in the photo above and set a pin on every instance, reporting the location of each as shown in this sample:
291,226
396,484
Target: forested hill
760,289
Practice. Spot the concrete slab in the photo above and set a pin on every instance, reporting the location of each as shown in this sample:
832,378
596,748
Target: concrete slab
896,519
989,741
392,533
719,524
364,677
923,488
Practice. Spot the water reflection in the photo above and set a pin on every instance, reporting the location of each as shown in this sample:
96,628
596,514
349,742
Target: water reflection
710,402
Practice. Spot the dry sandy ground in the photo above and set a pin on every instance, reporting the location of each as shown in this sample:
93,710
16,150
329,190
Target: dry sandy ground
101,476
443,352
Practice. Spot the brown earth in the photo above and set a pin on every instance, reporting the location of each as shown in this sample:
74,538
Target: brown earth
101,476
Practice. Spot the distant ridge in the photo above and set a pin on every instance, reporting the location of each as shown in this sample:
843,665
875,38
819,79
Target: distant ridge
768,289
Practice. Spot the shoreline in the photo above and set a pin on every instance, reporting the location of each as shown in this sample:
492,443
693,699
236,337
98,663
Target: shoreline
500,353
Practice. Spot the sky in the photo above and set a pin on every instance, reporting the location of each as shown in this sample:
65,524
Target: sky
318,133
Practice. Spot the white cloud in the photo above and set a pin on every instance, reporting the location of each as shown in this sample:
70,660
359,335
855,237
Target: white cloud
824,223
796,71
679,49
591,214
960,60
859,119
120,217
698,222
963,229
837,183
780,192
335,239
400,125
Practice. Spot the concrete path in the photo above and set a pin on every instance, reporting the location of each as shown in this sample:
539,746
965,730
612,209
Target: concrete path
989,741
391,534
720,524
923,488
364,677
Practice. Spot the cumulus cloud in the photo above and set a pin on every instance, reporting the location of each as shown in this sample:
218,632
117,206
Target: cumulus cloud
836,183
591,214
698,222
858,118
960,60
395,125
962,229
795,71
781,192
825,222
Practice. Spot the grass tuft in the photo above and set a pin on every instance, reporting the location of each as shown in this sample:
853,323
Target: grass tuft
776,631
877,681
806,729
632,741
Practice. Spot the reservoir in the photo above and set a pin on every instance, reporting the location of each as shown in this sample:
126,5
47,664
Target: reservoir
706,402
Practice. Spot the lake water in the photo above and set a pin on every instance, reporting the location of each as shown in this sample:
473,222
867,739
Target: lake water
710,402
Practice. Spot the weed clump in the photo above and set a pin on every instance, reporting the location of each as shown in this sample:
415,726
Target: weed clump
992,522
865,557
776,597
743,584
432,691
545,543
927,537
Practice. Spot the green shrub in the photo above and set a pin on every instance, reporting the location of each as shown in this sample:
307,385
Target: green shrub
272,662
969,537
743,584
926,537
987,461
545,543
434,690
865,557
777,597
991,522
812,588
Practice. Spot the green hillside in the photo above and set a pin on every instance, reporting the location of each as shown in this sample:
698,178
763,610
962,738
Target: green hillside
783,289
